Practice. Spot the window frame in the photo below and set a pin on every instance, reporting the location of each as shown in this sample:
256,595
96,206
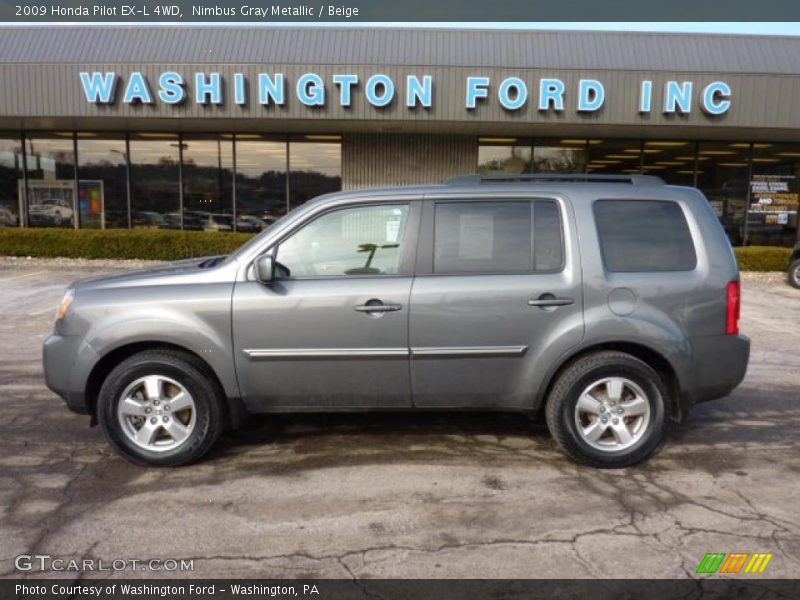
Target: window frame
427,241
410,239
686,221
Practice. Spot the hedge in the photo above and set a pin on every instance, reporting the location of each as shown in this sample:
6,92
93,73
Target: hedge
161,244
146,244
763,258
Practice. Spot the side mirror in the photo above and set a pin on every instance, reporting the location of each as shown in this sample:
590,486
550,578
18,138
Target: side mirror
265,269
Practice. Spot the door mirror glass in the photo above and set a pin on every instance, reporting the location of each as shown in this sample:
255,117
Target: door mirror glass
265,268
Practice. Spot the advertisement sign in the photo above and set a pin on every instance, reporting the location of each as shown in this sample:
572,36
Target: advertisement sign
773,199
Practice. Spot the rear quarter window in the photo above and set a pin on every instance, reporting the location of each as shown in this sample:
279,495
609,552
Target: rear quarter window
644,236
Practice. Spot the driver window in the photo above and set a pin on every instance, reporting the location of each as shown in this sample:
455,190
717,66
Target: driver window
364,240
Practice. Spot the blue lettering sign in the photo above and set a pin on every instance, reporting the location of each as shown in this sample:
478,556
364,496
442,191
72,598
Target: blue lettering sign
311,90
513,93
591,95
678,97
417,92
716,98
137,89
387,85
239,89
207,91
551,91
99,87
345,83
646,97
271,90
477,87
171,84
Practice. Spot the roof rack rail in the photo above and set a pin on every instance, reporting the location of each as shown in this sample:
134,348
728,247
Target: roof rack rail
478,179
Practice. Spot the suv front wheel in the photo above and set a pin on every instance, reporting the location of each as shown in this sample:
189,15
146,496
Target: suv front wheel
607,410
159,408
794,273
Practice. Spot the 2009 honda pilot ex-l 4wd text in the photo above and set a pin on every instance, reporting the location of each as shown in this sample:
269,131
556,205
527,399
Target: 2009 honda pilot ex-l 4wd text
609,304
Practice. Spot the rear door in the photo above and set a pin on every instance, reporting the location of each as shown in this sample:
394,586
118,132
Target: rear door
497,298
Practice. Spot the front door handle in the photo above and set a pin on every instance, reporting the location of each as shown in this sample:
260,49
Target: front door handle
376,306
548,300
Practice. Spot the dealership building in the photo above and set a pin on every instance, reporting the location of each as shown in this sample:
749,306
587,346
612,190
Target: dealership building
224,128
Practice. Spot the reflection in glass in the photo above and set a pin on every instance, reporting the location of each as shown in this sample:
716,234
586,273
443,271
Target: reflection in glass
614,157
207,183
260,179
722,176
10,179
155,193
774,195
560,156
316,169
672,160
51,180
500,158
102,186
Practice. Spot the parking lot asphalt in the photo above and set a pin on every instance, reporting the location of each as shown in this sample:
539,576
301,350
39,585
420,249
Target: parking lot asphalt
410,495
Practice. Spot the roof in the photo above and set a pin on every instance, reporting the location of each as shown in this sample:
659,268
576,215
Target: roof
401,47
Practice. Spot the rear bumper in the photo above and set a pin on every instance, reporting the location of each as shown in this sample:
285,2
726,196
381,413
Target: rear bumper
720,364
62,357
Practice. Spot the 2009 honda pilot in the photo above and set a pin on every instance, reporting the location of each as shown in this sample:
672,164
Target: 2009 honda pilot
610,304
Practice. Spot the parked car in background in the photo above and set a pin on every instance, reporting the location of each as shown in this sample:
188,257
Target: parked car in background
54,213
144,218
607,304
7,217
190,222
794,266
250,224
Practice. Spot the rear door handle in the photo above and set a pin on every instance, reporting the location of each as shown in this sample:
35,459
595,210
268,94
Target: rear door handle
546,300
378,308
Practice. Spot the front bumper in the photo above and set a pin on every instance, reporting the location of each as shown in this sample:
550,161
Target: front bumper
62,357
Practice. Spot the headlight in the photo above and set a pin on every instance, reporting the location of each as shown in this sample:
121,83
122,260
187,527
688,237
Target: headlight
66,302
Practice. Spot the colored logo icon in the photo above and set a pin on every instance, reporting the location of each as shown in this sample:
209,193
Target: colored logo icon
736,562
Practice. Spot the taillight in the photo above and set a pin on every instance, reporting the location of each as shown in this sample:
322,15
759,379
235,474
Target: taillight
734,308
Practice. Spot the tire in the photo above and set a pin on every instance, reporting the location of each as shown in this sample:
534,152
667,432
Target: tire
596,380
794,273
160,408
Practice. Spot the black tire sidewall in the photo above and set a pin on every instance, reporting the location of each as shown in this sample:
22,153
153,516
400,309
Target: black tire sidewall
197,384
794,274
653,387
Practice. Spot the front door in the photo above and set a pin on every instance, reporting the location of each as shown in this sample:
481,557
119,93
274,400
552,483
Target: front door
497,296
332,330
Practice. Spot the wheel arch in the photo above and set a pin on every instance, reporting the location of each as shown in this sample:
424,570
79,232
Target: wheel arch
655,359
234,408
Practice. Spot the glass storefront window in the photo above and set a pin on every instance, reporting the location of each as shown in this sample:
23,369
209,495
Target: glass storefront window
504,155
208,184
51,180
10,179
672,160
774,195
614,157
560,156
103,180
260,178
722,170
316,167
155,190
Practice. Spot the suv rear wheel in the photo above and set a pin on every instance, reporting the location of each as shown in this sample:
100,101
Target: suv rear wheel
159,408
607,410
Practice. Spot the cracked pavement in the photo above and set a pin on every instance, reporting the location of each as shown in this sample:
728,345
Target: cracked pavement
427,495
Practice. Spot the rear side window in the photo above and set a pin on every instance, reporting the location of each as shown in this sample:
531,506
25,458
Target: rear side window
497,237
644,235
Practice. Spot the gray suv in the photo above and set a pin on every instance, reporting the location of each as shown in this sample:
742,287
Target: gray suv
608,304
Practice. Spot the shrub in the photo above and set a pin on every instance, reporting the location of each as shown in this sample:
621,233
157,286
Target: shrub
163,244
763,258
145,244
